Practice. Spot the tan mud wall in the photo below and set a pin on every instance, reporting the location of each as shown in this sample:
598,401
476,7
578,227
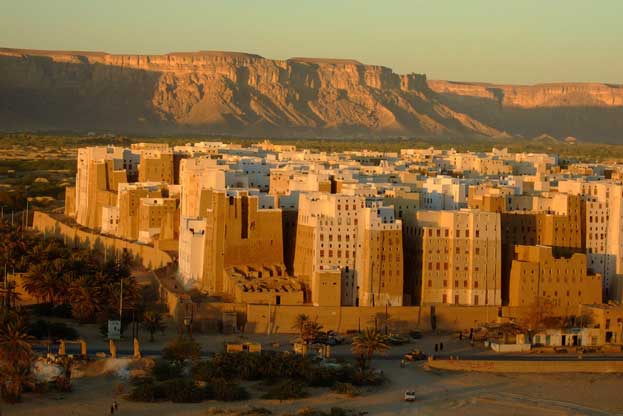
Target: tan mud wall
504,366
150,257
280,319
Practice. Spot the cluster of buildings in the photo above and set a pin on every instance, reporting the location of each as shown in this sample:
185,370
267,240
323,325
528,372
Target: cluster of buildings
276,225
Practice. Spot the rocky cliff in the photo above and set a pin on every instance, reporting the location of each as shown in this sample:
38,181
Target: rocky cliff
225,92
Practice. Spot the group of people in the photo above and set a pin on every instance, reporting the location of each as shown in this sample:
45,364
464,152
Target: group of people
114,407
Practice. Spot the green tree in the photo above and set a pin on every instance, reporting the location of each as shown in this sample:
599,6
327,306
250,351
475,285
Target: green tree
368,342
299,323
182,349
15,355
85,297
152,322
311,330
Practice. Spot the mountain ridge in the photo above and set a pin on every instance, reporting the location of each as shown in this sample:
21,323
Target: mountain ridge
241,93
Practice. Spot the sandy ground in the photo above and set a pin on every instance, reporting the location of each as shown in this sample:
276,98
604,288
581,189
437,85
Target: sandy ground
438,393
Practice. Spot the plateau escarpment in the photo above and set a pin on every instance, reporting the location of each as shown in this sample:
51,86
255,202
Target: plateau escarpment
227,92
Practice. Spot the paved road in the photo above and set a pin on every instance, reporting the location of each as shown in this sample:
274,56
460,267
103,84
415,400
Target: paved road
71,349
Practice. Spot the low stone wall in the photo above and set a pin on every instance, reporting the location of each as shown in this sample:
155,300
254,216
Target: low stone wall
510,347
542,367
76,236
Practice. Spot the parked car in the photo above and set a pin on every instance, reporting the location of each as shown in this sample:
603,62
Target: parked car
415,334
395,339
409,396
414,355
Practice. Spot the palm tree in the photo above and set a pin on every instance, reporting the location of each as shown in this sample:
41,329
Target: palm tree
15,377
299,323
311,329
48,280
14,341
366,343
152,322
15,355
85,297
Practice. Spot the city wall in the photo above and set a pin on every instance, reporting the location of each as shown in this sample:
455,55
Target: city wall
280,319
508,366
50,224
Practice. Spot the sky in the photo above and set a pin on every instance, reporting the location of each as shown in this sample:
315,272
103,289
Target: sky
502,41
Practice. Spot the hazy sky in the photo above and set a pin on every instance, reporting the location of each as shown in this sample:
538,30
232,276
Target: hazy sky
518,41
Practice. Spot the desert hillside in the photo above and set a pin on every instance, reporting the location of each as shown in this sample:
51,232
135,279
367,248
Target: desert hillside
227,92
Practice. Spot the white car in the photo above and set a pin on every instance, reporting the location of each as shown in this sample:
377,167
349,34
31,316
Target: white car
409,396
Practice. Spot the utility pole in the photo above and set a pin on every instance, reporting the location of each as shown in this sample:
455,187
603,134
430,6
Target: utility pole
121,304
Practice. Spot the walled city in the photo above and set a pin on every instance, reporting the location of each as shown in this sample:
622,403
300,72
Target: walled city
431,237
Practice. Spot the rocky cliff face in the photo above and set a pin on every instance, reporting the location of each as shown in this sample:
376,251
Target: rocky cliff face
590,111
224,92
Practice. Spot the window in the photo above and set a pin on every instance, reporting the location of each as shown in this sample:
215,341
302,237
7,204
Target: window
430,283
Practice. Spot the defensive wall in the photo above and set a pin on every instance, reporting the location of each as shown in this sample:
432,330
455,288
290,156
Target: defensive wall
61,227
280,319
509,366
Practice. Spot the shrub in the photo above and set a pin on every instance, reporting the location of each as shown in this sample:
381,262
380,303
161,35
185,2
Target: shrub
203,371
62,384
345,388
42,329
165,370
227,391
48,309
366,378
182,391
181,349
335,411
145,390
287,389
